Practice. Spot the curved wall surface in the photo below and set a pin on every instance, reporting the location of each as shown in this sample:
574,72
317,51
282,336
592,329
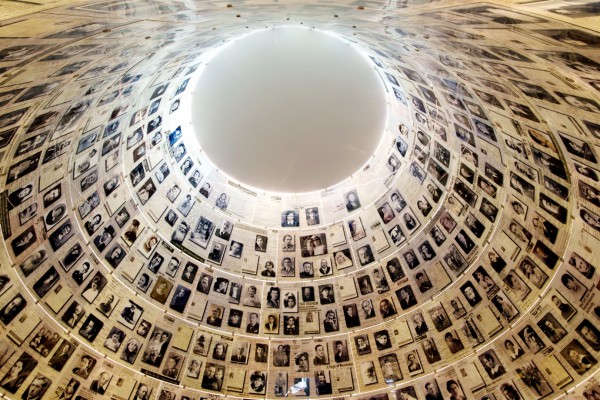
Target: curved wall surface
458,263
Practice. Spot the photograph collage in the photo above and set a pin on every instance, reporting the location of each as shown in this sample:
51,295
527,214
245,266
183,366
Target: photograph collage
458,264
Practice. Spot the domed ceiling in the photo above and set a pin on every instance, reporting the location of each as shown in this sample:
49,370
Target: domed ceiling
430,232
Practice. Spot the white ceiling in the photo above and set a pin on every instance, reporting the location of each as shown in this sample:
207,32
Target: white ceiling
289,109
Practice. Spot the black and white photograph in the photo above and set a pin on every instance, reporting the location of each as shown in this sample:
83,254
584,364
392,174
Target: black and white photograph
357,231
23,241
505,306
531,339
352,201
203,232
216,253
157,346
365,255
589,333
12,309
91,328
553,330
578,357
61,235
290,218
313,245
439,317
130,314
516,285
43,285
312,216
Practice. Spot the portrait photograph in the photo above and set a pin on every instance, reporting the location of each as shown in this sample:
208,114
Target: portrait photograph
280,387
531,339
193,368
357,230
204,283
61,235
258,382
440,318
589,333
27,213
550,326
130,314
492,365
516,285
578,357
455,261
410,221
260,243
533,378
235,249
390,368
54,215
222,201
386,213
397,235
312,216
103,239
94,287
19,196
220,351
202,232
365,255
505,306
43,285
202,344
108,303
559,212
61,355
174,363
185,205
532,272
44,340
18,373
364,284
235,292
543,254
216,253
413,362
471,294
225,229
290,218
447,222
23,167
343,259
114,339
157,347
215,315
161,289
91,328
406,297
189,272
235,318
291,325
426,250
437,235
368,373
23,241
362,345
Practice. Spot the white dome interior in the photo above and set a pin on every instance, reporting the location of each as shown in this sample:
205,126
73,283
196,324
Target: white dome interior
432,235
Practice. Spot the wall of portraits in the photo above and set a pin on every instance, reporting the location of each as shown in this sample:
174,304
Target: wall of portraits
459,263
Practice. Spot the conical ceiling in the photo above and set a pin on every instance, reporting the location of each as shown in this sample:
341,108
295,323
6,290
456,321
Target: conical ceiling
457,262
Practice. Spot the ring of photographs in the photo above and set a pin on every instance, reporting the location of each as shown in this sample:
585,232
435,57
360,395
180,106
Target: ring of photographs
444,269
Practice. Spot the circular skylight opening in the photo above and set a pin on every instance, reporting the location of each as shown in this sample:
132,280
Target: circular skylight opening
289,109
